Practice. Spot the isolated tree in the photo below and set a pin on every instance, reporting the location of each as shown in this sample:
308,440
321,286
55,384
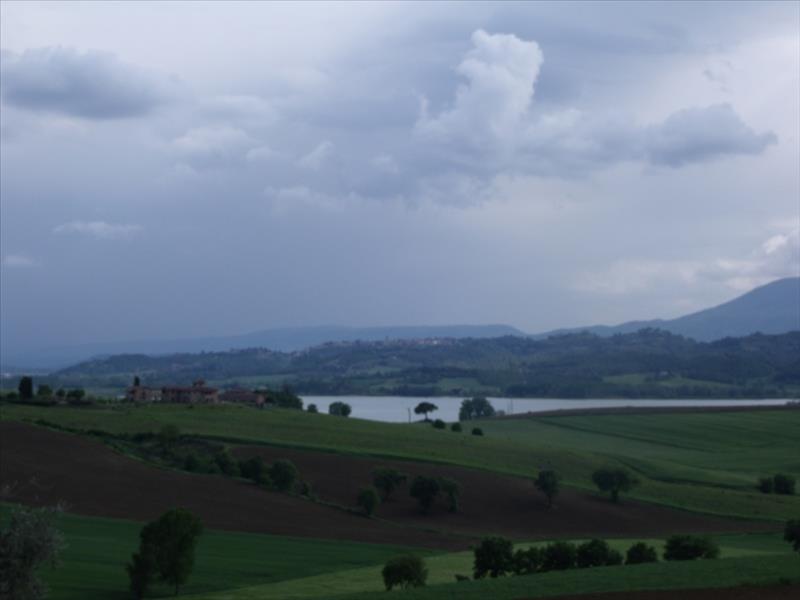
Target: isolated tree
614,481
29,542
640,553
25,387
339,409
559,556
423,408
368,500
451,490
791,533
312,408
475,408
547,482
493,557
690,547
283,474
783,484
170,543
44,391
597,553
404,572
527,562
387,480
456,427
425,490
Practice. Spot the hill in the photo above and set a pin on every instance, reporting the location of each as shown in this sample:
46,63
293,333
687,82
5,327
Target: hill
771,308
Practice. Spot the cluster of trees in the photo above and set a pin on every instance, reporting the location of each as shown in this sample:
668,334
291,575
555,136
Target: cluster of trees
609,480
407,571
475,408
339,409
166,551
495,556
777,484
281,475
43,392
425,490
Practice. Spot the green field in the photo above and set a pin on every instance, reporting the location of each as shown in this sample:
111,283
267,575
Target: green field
706,462
98,549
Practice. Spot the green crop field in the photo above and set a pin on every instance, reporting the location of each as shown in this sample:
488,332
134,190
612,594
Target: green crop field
97,550
706,462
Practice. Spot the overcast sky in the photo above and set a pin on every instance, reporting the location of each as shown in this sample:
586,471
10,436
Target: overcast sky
174,170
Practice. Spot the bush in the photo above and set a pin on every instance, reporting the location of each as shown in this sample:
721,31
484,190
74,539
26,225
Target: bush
405,572
527,562
596,553
439,424
640,553
765,485
559,556
783,484
425,490
690,547
456,427
339,409
368,500
312,408
283,474
387,480
477,431
791,533
493,557
254,469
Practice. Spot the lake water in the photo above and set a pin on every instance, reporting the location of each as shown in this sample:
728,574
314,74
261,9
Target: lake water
398,409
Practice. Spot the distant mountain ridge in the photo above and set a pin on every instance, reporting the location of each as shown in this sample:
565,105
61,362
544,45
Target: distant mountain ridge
773,308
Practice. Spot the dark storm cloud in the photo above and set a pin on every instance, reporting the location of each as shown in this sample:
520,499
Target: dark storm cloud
91,85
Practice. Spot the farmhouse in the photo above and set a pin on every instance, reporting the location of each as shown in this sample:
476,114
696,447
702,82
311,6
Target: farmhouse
197,393
141,393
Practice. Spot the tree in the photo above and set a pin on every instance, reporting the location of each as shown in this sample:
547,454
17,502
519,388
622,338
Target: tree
387,480
690,547
44,391
136,381
312,408
77,394
452,489
439,424
559,556
765,485
493,557
226,463
60,393
477,431
783,484
255,469
169,542
368,500
475,408
425,490
28,542
547,482
339,409
456,427
168,436
597,553
640,553
527,562
423,408
614,481
791,533
141,572
283,474
25,387
405,572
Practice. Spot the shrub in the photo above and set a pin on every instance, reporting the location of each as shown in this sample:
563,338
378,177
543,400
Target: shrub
765,485
477,431
690,547
405,572
640,553
283,474
791,533
596,553
456,427
493,557
439,424
527,562
460,577
387,480
368,500
452,489
614,481
425,490
783,484
559,556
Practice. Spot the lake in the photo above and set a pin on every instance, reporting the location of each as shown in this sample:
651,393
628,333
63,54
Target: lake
399,409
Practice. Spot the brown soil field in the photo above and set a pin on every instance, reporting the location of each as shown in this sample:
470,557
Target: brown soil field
42,467
773,592
492,503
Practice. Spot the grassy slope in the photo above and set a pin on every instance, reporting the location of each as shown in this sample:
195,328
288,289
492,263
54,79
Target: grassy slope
705,462
98,549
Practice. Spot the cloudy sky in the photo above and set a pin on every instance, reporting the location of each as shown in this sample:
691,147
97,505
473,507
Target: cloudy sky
174,170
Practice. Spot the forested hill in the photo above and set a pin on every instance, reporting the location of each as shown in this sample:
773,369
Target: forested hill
647,363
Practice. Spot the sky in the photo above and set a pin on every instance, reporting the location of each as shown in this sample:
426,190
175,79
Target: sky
191,169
